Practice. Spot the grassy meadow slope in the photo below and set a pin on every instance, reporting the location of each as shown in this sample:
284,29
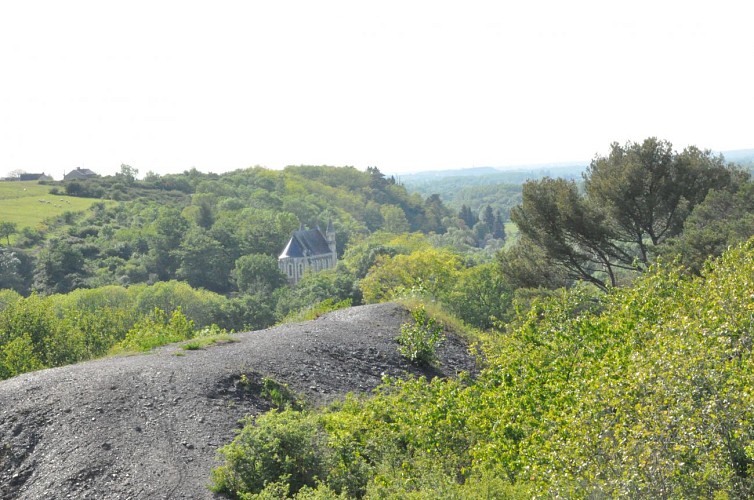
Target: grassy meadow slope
27,204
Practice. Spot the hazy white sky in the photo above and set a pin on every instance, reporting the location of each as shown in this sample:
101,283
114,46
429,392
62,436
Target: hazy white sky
403,85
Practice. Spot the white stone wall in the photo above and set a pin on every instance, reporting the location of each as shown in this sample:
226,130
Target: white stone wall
296,267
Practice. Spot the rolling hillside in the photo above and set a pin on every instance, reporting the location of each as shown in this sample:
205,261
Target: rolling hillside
28,204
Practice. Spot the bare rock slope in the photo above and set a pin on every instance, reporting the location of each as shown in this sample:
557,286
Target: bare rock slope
149,426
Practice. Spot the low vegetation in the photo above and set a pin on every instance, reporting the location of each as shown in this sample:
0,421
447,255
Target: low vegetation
316,310
419,340
207,338
643,392
41,332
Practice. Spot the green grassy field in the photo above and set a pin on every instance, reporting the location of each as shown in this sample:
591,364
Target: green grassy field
28,204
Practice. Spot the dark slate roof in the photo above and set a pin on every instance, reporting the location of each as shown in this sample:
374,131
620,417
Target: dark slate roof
306,242
79,173
30,177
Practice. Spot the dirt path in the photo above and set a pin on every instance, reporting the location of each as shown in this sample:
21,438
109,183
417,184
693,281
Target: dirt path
149,426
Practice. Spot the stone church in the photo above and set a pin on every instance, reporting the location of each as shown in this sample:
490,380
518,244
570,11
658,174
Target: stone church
308,250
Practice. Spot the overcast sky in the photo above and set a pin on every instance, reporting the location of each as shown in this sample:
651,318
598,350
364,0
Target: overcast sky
165,86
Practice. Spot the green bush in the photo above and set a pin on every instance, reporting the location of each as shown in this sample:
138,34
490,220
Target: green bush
156,330
42,332
419,340
280,446
201,306
17,356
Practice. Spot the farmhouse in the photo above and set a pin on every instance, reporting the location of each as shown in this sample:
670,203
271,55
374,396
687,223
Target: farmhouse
34,177
79,174
308,250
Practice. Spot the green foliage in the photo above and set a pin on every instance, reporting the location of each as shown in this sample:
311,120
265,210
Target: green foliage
648,190
7,298
258,273
156,330
480,297
570,231
434,270
31,319
60,268
638,399
635,199
434,214
39,332
394,219
194,227
327,287
15,270
248,312
208,337
724,219
279,394
204,262
419,340
316,310
128,173
527,265
283,446
467,216
201,306
164,235
403,443
644,392
499,188
362,255
18,356
7,229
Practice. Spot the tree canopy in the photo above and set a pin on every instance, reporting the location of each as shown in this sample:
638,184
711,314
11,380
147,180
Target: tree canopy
634,200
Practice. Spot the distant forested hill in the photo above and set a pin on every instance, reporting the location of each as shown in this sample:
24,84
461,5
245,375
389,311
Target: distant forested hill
447,183
742,157
482,187
500,188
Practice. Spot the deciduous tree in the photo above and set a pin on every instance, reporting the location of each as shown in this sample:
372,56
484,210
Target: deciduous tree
203,262
257,274
431,270
7,229
60,268
394,219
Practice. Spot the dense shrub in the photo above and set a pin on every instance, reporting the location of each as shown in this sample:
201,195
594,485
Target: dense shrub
285,446
39,332
156,330
201,306
419,340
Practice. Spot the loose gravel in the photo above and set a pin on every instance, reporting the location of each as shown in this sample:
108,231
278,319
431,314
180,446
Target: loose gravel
149,426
